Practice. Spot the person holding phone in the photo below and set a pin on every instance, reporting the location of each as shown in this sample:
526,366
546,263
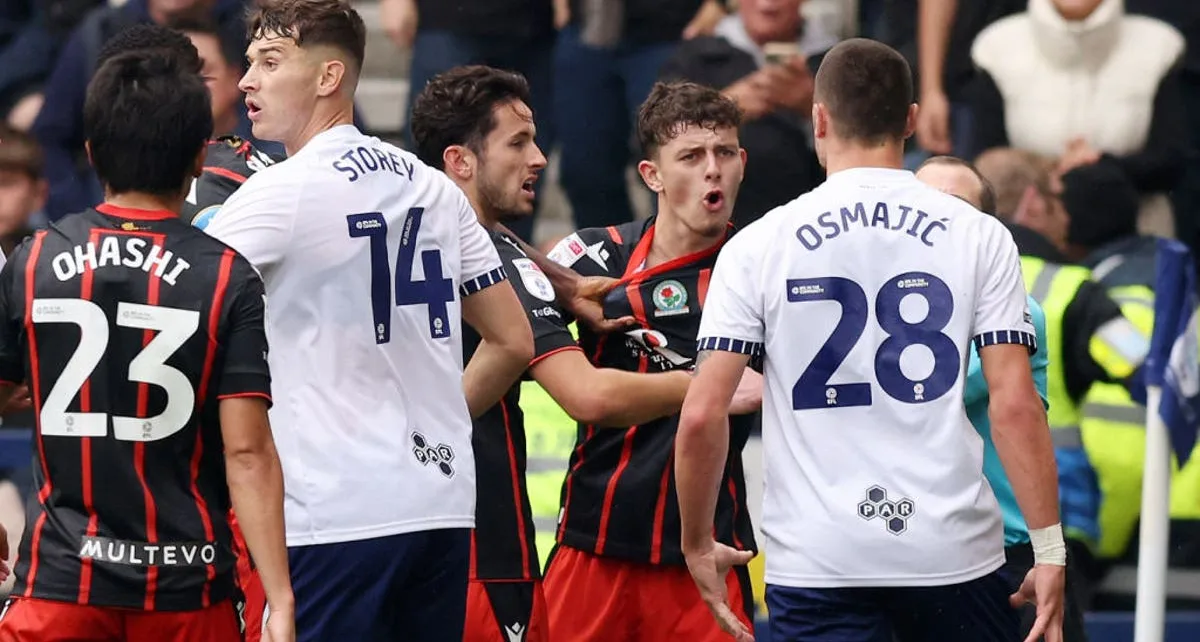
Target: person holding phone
763,58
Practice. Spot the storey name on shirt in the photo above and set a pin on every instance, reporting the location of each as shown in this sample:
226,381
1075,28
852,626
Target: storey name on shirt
116,551
118,251
900,218
360,161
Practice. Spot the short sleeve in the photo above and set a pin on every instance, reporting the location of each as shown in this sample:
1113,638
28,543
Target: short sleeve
1001,305
481,265
733,311
245,372
258,220
548,321
12,361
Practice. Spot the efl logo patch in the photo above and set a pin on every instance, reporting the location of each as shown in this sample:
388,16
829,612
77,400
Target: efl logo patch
535,281
568,251
670,298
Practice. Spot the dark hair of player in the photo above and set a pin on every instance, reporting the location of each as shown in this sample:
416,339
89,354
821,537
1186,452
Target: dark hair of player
146,119
332,23
456,108
987,193
867,87
20,153
144,37
232,41
672,107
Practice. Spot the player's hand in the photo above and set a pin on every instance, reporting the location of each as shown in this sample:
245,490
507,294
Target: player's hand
709,568
280,626
748,396
587,304
399,18
1043,587
20,401
933,123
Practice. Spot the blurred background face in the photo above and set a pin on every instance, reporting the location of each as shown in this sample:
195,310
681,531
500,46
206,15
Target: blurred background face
1045,214
163,9
701,170
955,180
510,162
771,20
221,76
20,197
1079,9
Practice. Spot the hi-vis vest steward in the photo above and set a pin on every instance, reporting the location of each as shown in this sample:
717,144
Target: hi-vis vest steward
1055,287
1113,427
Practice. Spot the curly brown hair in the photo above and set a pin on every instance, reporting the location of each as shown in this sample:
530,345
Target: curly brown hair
672,107
457,107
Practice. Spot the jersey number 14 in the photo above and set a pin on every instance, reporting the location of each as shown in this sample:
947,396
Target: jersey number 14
813,389
435,292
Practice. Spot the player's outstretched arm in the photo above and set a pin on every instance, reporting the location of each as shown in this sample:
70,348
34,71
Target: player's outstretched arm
701,447
255,480
496,314
583,296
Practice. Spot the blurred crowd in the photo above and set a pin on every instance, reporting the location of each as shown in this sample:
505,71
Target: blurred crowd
1083,115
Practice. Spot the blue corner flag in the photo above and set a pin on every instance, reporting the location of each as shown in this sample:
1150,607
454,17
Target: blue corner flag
1174,360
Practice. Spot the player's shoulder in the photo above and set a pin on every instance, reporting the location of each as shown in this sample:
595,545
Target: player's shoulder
237,156
599,251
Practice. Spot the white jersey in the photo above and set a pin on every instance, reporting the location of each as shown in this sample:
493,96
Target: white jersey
364,252
863,297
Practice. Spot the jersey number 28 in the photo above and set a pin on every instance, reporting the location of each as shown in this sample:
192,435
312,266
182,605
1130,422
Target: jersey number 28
813,389
435,292
173,326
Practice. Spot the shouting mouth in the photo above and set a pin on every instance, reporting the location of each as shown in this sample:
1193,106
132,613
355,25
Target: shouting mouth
714,200
527,187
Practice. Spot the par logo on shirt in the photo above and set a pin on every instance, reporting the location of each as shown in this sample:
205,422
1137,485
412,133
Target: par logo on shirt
536,282
670,298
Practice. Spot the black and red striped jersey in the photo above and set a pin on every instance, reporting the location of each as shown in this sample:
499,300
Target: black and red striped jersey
503,541
618,499
129,326
229,162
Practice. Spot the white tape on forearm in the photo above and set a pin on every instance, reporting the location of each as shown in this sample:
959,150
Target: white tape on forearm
1048,545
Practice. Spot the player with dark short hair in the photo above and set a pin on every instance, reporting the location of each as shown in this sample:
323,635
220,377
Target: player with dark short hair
143,345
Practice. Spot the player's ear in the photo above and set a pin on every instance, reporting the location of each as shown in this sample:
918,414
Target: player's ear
459,162
820,120
87,149
198,162
333,72
649,173
910,123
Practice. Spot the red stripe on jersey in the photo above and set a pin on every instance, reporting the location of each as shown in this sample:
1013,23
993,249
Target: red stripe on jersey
614,234
227,173
214,323
134,214
737,542
516,488
591,430
35,250
606,511
139,448
540,358
702,285
660,510
472,573
634,271
85,444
